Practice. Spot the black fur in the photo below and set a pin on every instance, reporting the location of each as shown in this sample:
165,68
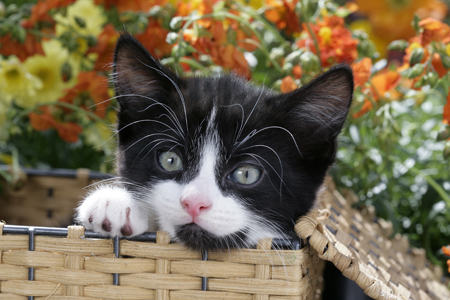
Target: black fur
300,127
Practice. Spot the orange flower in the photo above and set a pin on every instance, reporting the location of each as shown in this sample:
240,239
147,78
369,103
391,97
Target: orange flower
386,82
43,120
135,5
288,84
367,106
361,71
39,12
414,44
434,30
446,120
154,39
436,62
221,51
30,47
67,131
106,42
243,39
446,250
205,7
391,20
90,86
282,13
383,85
297,71
335,41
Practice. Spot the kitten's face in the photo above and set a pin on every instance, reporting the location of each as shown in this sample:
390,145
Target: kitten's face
220,163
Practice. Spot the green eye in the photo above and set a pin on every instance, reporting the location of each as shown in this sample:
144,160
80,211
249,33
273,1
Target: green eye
170,161
245,175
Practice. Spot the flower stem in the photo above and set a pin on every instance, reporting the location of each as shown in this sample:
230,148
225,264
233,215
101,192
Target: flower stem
312,34
263,46
441,192
193,63
58,103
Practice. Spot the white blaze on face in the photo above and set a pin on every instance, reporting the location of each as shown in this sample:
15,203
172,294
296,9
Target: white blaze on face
225,214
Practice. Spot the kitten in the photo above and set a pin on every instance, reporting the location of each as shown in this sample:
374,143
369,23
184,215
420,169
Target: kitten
215,161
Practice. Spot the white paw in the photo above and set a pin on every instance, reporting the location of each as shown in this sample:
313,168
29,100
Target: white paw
112,211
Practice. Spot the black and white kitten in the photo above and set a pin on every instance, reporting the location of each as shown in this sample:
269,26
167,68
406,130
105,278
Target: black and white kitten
215,161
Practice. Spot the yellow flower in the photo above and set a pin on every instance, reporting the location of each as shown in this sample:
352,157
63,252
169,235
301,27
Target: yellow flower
379,42
447,49
6,158
414,45
54,49
3,108
48,70
256,4
3,131
325,33
83,16
99,135
16,82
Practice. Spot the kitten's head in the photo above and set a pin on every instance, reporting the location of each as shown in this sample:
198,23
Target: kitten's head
219,162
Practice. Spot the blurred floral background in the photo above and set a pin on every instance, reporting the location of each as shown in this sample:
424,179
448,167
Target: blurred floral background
57,108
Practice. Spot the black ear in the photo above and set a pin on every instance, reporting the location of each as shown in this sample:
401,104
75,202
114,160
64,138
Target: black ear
138,76
319,109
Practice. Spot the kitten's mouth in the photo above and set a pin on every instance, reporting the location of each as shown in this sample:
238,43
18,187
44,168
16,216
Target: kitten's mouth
197,238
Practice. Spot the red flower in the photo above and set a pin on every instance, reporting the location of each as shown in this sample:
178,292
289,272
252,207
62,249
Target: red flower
90,86
106,42
361,71
282,13
43,120
221,51
154,39
67,131
335,41
39,12
30,47
288,84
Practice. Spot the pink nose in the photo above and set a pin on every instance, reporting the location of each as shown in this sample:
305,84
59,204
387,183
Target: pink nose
195,206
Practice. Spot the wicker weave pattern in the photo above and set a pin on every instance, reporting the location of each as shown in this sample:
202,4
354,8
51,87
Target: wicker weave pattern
44,200
359,247
80,268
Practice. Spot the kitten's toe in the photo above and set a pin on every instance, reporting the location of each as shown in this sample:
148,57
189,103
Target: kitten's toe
112,211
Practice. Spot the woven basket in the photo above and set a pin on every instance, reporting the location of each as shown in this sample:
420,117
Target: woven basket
77,267
48,198
358,245
83,266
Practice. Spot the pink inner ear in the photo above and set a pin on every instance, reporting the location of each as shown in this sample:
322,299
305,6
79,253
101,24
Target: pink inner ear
195,204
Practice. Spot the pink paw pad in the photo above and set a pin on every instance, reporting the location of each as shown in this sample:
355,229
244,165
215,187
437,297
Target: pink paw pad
126,229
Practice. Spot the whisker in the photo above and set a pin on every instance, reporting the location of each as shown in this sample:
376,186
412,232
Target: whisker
255,132
248,117
176,87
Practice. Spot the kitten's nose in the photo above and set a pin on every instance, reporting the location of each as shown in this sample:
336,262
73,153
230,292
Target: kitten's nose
195,205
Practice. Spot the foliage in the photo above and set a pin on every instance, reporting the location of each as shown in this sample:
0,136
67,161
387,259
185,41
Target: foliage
57,110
